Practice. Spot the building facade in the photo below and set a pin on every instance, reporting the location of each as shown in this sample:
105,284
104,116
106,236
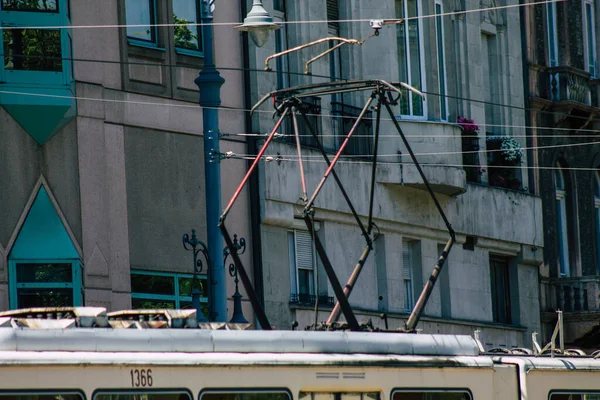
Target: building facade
102,161
469,66
562,96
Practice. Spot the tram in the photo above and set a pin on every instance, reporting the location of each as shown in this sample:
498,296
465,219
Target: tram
88,354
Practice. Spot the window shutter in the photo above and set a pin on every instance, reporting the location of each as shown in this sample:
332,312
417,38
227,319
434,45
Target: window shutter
304,250
333,14
406,261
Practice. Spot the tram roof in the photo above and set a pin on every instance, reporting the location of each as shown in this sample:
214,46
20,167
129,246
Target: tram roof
92,329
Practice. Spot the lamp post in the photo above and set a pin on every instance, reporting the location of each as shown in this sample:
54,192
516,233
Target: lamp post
191,243
209,82
238,312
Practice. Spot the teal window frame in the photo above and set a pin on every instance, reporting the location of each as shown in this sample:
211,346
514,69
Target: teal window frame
192,52
153,21
441,60
41,19
76,285
175,297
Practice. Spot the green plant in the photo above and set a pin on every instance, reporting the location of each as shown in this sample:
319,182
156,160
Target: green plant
184,37
511,151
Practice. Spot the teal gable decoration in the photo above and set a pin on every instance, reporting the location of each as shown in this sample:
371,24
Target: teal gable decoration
43,236
37,87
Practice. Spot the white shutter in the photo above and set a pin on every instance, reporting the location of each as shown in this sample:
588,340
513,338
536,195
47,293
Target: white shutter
304,250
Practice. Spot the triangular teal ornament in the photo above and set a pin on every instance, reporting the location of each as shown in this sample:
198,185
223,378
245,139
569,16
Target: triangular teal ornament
43,235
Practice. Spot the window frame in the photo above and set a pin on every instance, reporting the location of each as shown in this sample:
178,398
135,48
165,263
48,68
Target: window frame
442,76
596,199
589,35
406,55
76,285
562,221
141,390
569,392
506,303
37,392
17,18
294,269
228,390
176,297
191,52
153,43
552,35
408,284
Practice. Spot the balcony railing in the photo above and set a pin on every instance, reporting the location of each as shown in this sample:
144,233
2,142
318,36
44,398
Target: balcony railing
310,299
569,84
571,294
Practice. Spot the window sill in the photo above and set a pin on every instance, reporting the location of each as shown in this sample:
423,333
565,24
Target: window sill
145,45
189,52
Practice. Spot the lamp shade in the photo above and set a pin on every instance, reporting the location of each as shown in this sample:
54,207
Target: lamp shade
258,23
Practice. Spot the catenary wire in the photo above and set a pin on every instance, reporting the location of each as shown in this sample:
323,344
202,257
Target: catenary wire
299,22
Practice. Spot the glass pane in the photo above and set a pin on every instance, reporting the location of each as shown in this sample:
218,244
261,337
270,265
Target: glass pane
186,286
28,298
30,5
148,395
305,281
146,304
441,61
44,273
430,395
403,57
187,305
32,50
415,55
187,36
45,396
153,284
139,16
245,396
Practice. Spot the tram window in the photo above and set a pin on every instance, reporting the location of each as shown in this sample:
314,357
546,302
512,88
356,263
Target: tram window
575,396
142,395
40,396
245,395
431,395
339,396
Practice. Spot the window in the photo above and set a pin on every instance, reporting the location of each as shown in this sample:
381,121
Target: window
552,34
589,23
410,56
53,284
361,142
136,381
140,17
45,395
35,55
247,394
302,262
500,288
561,221
408,261
281,62
158,290
187,37
574,395
432,394
597,215
441,59
279,5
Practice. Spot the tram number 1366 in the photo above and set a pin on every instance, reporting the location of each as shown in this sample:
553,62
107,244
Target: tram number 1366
141,377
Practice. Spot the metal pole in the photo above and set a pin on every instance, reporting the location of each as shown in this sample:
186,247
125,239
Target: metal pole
209,82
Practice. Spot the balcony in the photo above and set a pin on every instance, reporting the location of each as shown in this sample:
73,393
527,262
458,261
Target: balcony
578,294
435,143
569,84
311,299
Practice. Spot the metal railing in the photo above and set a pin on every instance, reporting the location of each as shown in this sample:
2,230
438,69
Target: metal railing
361,143
311,299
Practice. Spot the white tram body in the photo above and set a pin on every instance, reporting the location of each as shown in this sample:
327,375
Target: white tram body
58,360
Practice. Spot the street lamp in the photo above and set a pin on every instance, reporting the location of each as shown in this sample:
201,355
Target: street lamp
240,248
258,24
209,82
190,243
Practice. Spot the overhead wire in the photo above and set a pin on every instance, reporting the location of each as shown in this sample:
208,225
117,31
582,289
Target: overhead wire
287,22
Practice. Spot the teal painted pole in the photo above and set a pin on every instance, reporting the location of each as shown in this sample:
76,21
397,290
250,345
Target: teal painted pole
209,82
